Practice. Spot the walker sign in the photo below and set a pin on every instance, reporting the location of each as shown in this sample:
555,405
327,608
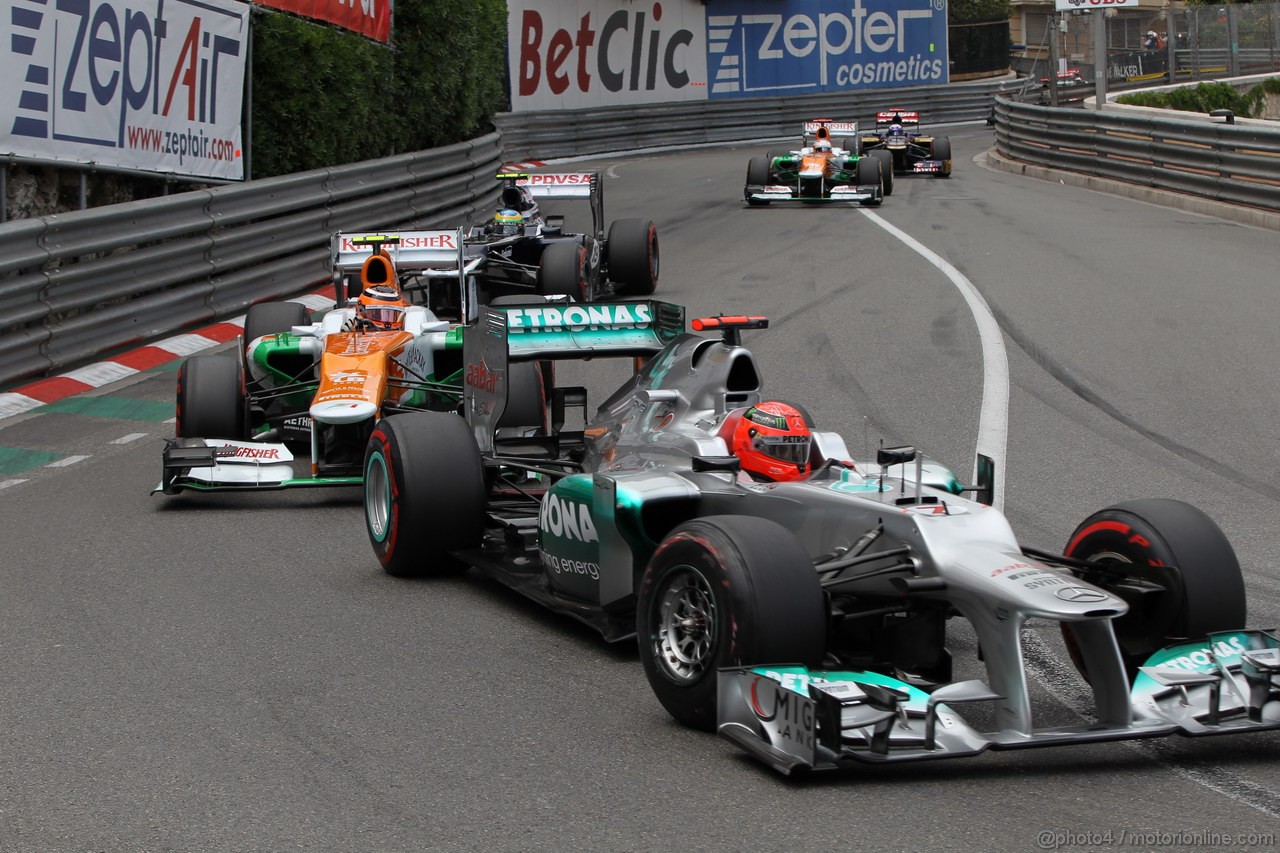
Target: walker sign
767,47
153,85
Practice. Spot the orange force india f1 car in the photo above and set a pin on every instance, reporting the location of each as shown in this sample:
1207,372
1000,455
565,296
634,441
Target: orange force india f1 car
824,168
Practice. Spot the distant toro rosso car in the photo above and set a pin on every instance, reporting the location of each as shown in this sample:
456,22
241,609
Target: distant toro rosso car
524,250
805,620
912,152
824,168
392,343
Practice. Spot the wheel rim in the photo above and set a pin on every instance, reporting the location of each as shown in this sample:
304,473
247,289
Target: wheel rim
377,497
653,256
685,626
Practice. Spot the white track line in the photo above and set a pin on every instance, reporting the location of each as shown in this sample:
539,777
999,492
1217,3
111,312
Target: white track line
131,437
70,460
993,418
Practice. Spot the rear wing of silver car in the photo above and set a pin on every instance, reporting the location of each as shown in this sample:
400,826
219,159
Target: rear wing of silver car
563,185
545,330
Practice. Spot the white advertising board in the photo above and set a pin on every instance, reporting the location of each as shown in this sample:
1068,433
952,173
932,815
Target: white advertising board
572,54
1069,5
153,85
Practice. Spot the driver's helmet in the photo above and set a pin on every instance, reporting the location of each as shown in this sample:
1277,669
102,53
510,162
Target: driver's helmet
508,223
383,307
771,440
896,130
822,146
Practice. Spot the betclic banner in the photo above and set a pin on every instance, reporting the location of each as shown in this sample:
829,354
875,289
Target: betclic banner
573,54
153,85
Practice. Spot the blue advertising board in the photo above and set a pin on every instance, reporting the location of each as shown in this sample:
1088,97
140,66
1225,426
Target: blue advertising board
759,48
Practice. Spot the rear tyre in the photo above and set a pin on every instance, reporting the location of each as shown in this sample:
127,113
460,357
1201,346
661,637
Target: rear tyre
886,169
870,172
725,591
1177,547
563,271
942,151
211,398
271,318
424,493
758,175
526,397
632,256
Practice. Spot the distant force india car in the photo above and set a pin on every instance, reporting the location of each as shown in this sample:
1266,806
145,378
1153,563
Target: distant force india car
913,152
539,256
323,384
825,168
805,621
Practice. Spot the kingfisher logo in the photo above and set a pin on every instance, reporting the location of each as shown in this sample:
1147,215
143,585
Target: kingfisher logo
805,46
153,85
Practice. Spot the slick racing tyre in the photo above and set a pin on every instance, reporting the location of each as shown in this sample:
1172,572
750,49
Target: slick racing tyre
271,318
886,169
211,400
563,271
1177,548
424,493
725,591
526,397
870,171
758,175
942,151
632,256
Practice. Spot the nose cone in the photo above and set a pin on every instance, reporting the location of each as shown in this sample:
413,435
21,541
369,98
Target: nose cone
343,411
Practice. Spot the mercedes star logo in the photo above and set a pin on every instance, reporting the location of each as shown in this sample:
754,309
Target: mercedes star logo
1080,594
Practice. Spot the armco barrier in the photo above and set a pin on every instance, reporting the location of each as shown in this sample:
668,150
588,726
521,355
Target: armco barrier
565,133
76,285
1231,163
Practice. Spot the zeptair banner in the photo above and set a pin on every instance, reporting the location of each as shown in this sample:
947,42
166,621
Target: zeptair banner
152,85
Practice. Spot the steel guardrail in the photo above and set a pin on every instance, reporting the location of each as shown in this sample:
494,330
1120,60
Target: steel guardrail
76,285
1233,163
546,135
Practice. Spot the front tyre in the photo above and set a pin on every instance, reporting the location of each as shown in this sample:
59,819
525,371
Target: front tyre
758,176
942,151
725,591
886,168
870,172
424,493
1176,547
211,398
632,254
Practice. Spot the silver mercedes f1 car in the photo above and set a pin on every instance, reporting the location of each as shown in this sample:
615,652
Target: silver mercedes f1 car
806,621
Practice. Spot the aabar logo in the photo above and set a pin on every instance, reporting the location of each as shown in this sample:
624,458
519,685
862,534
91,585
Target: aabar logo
480,377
